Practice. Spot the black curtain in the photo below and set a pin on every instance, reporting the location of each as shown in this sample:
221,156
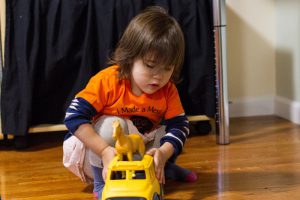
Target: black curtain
53,47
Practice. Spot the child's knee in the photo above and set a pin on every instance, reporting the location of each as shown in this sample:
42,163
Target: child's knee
104,127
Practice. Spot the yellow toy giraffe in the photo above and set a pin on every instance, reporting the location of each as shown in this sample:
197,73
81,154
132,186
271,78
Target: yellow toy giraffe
127,144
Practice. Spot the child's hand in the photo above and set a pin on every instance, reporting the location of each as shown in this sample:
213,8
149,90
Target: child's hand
159,162
107,155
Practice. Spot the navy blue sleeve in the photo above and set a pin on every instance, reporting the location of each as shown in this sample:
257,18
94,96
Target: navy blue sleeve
177,130
79,112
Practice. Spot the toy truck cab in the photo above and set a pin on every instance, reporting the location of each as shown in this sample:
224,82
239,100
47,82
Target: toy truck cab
133,180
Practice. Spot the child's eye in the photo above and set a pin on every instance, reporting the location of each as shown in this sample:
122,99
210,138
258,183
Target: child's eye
149,66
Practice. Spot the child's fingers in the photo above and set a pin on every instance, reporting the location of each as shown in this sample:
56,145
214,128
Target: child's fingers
104,172
159,166
151,152
162,176
158,173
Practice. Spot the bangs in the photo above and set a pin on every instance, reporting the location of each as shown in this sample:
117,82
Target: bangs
162,52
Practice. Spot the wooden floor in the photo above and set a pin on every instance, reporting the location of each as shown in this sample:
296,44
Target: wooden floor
262,162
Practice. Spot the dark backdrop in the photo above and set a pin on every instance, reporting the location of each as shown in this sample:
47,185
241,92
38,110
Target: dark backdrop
53,47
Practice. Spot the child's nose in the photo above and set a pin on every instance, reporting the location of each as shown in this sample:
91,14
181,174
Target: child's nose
158,75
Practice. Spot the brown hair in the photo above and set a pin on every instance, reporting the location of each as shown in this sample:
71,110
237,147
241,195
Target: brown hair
152,33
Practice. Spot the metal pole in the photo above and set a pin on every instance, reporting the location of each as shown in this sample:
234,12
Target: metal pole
222,116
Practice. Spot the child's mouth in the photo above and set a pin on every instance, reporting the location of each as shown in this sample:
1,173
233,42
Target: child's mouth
154,85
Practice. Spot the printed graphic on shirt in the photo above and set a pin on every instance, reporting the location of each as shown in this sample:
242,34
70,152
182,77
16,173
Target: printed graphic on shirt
143,124
134,109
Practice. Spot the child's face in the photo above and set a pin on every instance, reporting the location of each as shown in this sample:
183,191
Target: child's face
147,77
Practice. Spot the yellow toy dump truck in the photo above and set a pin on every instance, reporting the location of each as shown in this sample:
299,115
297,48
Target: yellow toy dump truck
133,180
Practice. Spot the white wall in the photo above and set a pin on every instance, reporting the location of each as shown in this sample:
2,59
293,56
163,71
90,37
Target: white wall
288,59
288,49
251,56
263,43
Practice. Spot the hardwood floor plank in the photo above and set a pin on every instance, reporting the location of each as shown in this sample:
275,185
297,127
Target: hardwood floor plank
261,162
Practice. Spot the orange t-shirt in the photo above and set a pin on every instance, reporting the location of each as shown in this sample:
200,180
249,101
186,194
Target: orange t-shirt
111,96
